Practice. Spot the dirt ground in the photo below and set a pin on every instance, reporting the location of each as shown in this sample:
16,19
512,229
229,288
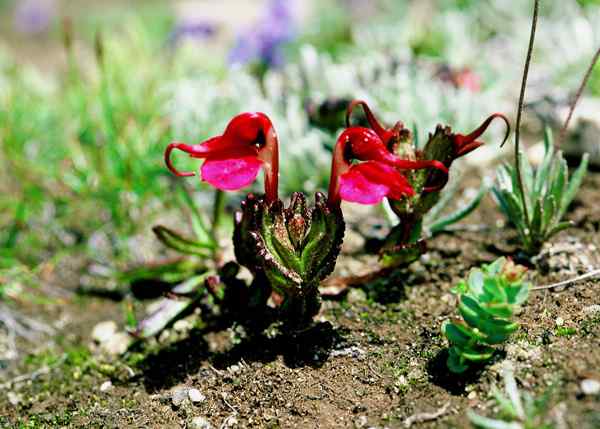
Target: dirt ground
375,357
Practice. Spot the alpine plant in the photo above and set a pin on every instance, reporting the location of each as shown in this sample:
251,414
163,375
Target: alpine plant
424,175
290,250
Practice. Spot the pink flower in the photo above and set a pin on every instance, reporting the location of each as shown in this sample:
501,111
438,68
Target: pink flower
378,176
234,159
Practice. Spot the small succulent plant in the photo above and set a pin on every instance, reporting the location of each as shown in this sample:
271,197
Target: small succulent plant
425,180
548,193
487,301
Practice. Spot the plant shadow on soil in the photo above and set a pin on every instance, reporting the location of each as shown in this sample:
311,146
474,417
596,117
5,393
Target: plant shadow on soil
174,363
454,384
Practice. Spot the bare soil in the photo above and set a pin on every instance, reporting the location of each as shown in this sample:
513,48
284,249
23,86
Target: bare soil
374,357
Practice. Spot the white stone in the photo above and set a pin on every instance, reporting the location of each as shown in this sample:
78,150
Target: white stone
117,344
560,321
196,396
178,396
107,385
200,423
104,330
182,326
590,386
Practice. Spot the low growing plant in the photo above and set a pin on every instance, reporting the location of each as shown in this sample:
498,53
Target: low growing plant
516,410
404,244
536,202
548,192
487,302
288,250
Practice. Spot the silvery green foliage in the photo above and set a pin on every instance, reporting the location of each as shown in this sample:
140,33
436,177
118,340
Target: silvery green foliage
516,410
401,88
549,191
487,301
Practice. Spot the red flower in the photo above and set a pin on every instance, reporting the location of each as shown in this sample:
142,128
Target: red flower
385,134
465,144
234,159
377,177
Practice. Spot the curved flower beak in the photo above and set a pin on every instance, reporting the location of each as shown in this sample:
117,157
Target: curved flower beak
463,144
234,159
378,176
385,134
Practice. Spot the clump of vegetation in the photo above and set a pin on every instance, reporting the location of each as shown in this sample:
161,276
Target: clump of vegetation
487,301
516,410
548,192
425,181
535,202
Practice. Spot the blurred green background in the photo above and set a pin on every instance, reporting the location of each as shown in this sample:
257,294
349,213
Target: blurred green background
92,92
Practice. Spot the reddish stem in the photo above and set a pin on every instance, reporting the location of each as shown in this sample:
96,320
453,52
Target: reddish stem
339,166
270,157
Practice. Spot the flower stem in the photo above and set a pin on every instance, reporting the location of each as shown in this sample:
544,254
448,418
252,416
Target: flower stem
520,111
218,207
588,73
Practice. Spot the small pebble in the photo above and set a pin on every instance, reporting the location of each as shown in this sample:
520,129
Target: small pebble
196,396
472,395
200,423
560,321
592,309
104,330
360,422
352,351
356,296
182,326
590,386
13,398
117,344
178,396
234,369
107,385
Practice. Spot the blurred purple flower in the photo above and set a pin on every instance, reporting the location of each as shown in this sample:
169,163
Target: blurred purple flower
190,29
264,41
34,16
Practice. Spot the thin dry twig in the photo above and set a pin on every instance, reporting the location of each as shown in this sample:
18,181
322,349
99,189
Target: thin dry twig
426,417
588,73
569,282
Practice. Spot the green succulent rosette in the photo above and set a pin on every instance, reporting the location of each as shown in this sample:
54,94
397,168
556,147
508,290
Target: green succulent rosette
292,249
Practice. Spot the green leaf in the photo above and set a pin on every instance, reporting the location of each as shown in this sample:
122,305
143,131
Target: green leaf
454,362
558,228
487,423
536,220
558,184
541,176
574,185
457,334
549,212
175,241
198,224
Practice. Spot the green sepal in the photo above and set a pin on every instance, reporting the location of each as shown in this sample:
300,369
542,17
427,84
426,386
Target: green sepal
294,248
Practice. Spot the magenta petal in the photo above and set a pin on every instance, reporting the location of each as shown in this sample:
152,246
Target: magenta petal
231,174
356,188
